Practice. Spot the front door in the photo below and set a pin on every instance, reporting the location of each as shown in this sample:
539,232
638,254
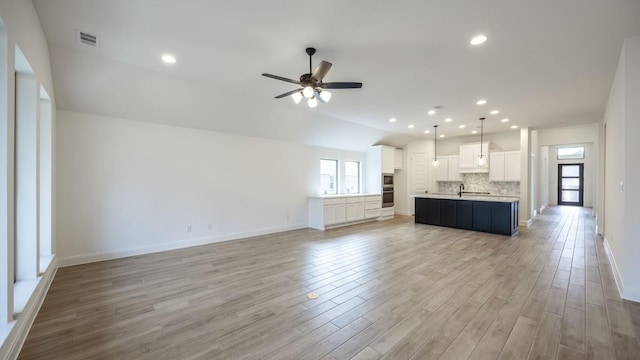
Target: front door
570,184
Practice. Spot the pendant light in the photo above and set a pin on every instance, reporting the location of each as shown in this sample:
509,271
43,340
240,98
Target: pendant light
482,159
435,146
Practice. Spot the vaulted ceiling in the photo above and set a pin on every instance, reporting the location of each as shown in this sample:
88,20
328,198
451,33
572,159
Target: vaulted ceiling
545,64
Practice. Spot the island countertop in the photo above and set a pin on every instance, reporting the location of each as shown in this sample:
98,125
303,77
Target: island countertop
474,197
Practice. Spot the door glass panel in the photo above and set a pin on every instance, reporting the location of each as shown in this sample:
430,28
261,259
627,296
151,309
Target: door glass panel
570,196
571,170
571,183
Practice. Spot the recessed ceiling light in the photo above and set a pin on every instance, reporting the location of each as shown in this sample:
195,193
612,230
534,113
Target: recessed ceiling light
410,126
442,135
448,120
474,132
427,131
478,39
514,126
481,102
169,59
462,126
431,112
493,112
392,120
505,120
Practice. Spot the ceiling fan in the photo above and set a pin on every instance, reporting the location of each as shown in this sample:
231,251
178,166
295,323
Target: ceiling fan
312,86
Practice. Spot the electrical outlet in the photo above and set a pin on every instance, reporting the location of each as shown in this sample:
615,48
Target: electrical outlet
188,228
210,226
287,218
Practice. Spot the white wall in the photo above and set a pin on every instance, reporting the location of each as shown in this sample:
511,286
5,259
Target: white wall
622,172
128,187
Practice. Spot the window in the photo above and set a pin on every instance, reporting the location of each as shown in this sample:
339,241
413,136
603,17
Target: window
566,153
328,176
352,177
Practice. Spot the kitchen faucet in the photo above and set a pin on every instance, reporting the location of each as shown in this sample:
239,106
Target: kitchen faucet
460,191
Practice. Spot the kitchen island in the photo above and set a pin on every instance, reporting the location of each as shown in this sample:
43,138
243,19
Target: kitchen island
492,214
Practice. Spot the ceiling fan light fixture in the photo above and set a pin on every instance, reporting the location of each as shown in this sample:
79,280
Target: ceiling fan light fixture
312,102
307,92
325,95
297,96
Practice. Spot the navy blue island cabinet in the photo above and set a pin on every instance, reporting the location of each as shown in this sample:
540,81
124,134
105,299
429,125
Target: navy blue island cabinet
497,217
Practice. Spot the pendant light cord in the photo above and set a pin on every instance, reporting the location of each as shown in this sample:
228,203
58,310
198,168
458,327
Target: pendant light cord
435,142
481,134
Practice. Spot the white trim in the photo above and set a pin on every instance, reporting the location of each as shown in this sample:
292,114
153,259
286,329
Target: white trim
525,223
19,329
614,267
403,212
173,245
627,293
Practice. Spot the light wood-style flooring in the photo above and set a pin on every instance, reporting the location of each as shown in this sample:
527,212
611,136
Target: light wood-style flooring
387,290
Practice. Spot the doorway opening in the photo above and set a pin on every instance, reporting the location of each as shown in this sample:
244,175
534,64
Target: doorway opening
570,184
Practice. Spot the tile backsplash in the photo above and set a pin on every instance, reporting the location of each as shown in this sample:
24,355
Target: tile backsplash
480,182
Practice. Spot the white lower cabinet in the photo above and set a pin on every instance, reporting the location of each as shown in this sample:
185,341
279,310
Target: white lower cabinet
355,209
334,214
337,211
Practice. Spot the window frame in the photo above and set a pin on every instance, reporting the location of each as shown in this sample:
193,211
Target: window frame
337,177
568,157
359,176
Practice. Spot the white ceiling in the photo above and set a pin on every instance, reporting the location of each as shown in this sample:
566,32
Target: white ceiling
546,63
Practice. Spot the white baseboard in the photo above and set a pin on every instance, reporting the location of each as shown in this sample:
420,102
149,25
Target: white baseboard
525,223
10,348
173,245
403,212
614,267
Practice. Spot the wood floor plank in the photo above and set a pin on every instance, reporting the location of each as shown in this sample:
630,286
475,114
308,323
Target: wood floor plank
520,339
391,289
545,343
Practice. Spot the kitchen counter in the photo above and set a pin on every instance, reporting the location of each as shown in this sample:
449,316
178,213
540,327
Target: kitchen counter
470,197
497,215
320,196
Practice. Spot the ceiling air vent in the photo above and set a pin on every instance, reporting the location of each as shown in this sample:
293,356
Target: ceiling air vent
86,38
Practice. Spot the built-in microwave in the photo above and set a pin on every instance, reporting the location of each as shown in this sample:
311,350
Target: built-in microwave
387,180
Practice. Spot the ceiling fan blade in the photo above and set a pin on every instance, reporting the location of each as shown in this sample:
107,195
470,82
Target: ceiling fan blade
288,93
341,85
321,70
282,79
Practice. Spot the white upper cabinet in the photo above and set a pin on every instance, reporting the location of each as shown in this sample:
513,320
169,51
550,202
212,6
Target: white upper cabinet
468,155
398,159
496,167
504,166
454,168
512,166
448,169
442,171
388,157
